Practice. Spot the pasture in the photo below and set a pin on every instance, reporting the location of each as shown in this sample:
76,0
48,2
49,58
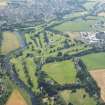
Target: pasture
94,61
81,25
75,26
62,72
10,42
80,97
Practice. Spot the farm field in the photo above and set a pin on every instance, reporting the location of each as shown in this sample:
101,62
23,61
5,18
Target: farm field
10,42
73,35
80,25
62,72
94,61
16,99
75,26
74,15
79,97
99,77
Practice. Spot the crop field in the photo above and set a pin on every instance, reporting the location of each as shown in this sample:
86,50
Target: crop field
16,99
10,42
99,76
94,61
74,35
62,72
79,97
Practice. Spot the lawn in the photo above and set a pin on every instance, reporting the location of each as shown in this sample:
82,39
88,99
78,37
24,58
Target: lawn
62,72
80,97
94,61
10,42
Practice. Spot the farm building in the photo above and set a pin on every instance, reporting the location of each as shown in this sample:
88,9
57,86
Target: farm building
89,37
92,38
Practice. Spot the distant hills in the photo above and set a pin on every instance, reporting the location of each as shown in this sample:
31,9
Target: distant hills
18,11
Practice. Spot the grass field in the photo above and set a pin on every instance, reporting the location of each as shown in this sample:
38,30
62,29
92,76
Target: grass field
62,72
75,26
79,25
16,99
80,97
10,42
94,61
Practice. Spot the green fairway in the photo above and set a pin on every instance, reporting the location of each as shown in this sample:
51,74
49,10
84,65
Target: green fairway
26,67
62,72
94,61
80,97
31,71
20,69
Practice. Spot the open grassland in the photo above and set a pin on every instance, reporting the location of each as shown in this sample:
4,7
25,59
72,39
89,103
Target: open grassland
62,72
80,97
10,42
99,76
94,61
16,99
